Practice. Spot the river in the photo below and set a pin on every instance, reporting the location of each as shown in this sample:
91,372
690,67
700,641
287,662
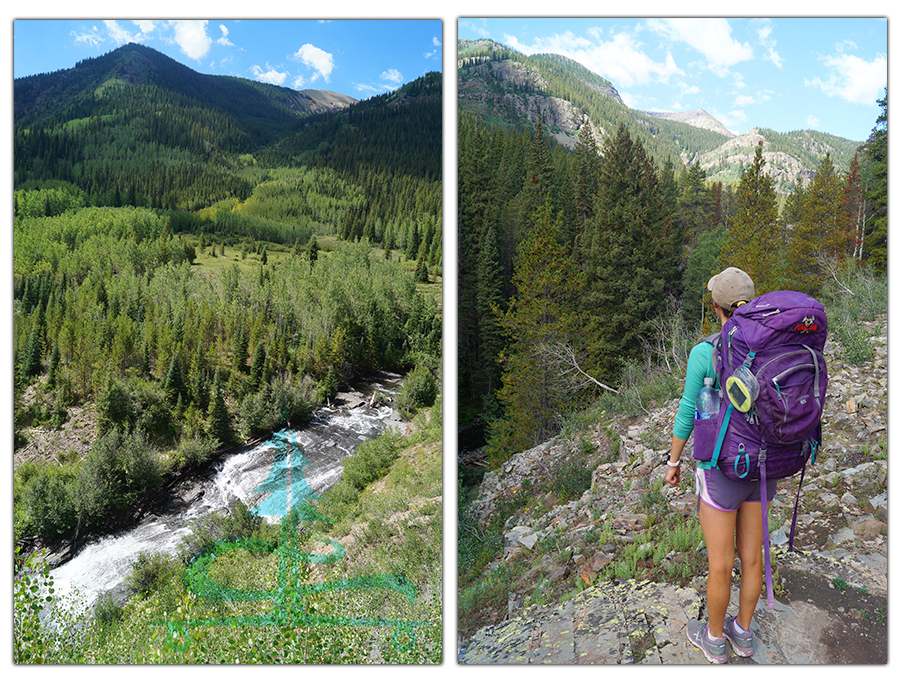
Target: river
264,477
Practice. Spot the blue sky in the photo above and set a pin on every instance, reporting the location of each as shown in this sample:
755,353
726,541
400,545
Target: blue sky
781,73
359,58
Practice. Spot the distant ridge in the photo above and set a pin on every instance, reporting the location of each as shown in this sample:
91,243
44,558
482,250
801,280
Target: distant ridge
48,94
698,118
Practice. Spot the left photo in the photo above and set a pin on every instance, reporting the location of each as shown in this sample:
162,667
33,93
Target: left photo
226,341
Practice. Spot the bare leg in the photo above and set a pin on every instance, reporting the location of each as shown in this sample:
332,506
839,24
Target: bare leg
749,549
718,533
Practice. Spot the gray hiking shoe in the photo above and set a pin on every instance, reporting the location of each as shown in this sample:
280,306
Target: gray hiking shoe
699,636
742,644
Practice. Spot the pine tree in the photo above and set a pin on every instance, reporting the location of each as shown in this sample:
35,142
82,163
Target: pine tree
31,358
696,207
490,304
668,186
587,172
752,243
820,237
53,368
421,270
174,382
239,351
876,152
631,256
217,420
257,364
854,204
537,188
539,316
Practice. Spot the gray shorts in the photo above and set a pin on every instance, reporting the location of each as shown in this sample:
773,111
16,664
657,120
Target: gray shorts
716,490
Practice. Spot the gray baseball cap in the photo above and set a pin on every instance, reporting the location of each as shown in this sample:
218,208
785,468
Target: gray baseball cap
730,287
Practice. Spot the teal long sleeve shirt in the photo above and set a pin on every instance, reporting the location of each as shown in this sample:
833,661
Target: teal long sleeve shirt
699,366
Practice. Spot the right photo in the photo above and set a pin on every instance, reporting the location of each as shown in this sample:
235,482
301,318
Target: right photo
672,341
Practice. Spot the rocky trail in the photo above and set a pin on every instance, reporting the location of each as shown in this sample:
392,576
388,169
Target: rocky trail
831,591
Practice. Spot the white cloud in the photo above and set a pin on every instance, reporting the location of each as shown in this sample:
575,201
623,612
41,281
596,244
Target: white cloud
190,35
270,75
709,36
366,88
620,59
298,82
764,34
852,78
321,62
90,36
731,120
223,39
117,33
393,76
146,26
812,121
436,42
480,28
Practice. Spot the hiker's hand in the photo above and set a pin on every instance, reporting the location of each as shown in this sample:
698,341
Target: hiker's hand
673,474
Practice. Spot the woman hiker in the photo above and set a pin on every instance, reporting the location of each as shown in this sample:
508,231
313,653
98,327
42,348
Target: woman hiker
729,511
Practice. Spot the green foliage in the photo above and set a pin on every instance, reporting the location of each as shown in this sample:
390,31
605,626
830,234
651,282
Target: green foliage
419,389
540,316
150,571
194,452
283,401
875,153
134,404
853,296
118,474
50,501
702,264
753,243
371,460
820,236
630,249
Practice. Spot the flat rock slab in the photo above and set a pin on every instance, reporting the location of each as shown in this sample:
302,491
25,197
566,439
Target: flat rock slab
622,622
625,622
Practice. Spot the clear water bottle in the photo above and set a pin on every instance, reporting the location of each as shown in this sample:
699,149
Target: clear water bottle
707,400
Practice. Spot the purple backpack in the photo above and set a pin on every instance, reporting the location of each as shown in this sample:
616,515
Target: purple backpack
769,424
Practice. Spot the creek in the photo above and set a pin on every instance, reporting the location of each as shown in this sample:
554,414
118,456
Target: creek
264,477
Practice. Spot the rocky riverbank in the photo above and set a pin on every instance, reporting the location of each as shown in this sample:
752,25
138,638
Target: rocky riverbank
831,593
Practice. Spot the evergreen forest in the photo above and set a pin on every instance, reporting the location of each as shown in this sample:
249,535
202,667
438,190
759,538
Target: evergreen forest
576,263
199,261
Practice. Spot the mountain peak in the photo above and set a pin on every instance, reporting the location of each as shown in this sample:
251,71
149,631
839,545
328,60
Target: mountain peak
697,118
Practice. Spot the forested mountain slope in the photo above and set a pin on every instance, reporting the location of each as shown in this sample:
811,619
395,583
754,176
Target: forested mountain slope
503,86
198,260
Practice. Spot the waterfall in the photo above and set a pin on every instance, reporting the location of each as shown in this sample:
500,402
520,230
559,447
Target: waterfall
292,465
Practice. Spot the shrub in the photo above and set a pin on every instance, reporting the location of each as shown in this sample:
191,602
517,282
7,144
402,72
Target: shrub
371,460
419,389
50,502
150,571
339,501
192,452
120,471
278,403
107,610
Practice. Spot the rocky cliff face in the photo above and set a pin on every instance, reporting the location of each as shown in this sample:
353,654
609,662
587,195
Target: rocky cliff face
831,594
521,100
737,154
